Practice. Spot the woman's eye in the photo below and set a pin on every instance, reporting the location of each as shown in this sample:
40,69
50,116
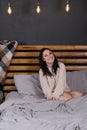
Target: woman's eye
45,55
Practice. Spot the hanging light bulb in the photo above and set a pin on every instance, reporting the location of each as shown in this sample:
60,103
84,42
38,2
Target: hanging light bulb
38,9
67,8
9,10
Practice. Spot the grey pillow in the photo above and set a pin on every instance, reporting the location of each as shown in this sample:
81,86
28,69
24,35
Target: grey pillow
77,80
28,84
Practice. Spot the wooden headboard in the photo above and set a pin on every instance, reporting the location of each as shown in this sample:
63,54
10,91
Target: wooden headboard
25,60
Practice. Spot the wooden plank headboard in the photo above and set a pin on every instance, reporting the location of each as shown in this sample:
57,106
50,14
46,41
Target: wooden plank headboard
25,60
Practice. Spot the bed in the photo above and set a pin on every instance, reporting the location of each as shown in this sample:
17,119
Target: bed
24,106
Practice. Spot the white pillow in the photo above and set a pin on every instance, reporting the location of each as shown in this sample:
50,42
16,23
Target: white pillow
28,84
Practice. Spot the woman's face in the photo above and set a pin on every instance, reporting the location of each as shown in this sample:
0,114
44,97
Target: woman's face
48,57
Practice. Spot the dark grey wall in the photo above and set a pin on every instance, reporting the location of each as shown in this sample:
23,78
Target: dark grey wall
52,26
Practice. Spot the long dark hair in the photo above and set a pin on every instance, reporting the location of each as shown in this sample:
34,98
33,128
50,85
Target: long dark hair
43,64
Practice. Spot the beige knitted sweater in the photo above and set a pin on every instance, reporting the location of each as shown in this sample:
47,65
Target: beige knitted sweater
55,85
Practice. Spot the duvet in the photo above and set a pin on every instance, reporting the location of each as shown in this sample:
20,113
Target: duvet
28,112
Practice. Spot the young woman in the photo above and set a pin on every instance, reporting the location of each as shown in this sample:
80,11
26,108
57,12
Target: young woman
52,75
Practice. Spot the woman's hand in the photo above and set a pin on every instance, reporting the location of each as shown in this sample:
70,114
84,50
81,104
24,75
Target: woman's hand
51,98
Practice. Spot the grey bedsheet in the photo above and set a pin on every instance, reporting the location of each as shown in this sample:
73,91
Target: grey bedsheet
35,113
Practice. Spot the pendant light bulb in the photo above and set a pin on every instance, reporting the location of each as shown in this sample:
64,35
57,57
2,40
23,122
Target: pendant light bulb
9,9
67,8
38,9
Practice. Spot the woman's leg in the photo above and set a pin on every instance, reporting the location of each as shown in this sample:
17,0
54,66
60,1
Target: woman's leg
76,94
65,96
69,95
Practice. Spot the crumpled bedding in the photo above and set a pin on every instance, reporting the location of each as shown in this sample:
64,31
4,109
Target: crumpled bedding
32,112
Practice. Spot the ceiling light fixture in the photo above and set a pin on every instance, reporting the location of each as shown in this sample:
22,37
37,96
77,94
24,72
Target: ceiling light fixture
38,9
67,8
9,10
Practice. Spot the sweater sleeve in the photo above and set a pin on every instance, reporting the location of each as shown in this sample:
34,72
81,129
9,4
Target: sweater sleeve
60,81
44,85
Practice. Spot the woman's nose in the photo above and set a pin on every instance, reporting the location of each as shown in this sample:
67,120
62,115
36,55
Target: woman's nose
49,55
